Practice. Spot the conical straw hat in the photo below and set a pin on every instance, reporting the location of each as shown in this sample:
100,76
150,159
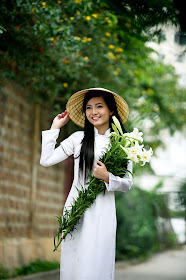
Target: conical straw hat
75,106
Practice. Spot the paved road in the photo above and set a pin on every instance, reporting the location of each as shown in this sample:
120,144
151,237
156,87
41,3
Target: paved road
169,265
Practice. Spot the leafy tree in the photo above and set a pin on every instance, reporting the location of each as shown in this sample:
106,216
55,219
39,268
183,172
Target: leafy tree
58,47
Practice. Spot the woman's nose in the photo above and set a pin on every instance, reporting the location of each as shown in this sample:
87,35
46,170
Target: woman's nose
94,111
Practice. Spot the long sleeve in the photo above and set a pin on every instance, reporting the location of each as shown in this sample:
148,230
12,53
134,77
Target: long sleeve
49,154
117,183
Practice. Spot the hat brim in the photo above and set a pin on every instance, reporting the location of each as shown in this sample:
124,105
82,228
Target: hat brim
74,106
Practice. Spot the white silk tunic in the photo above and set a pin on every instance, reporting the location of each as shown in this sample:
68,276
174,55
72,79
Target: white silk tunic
89,254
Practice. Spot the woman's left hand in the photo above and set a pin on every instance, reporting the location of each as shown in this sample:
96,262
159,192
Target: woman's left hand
100,171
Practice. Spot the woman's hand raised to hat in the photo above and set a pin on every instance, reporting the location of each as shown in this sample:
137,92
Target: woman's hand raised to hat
60,120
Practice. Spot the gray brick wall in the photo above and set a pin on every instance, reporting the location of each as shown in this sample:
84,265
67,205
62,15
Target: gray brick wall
16,148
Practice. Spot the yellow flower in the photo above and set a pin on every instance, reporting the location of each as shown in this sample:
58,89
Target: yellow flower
95,15
118,69
111,55
78,13
89,39
77,38
59,2
33,10
115,72
61,20
136,71
110,67
65,85
60,28
118,50
44,4
107,34
111,47
143,92
156,109
149,90
77,1
84,40
171,110
88,18
128,25
118,56
71,18
52,39
40,28
86,58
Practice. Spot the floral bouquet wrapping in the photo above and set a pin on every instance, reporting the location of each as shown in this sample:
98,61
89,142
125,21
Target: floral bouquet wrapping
123,147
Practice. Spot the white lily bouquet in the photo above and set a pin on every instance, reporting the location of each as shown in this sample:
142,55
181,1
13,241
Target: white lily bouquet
123,147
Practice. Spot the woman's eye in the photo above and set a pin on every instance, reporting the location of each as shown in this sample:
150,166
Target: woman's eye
100,106
87,108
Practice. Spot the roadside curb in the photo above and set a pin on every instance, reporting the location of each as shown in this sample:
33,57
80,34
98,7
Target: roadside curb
39,275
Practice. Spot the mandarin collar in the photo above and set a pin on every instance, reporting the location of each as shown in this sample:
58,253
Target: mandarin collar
107,132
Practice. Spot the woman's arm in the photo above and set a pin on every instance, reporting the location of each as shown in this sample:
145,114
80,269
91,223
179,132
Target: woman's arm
50,155
112,182
117,183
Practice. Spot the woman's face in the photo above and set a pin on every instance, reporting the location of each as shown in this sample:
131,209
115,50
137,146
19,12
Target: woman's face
98,113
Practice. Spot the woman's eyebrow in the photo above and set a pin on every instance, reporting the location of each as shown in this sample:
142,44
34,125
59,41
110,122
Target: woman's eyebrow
95,104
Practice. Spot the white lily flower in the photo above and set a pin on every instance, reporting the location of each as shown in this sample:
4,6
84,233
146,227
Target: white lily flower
135,152
135,134
117,124
146,156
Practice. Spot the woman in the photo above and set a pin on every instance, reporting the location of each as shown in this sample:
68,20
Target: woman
89,254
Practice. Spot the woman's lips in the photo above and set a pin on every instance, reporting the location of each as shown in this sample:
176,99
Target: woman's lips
95,118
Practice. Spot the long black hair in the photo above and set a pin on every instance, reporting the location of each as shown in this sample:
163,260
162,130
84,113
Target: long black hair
87,148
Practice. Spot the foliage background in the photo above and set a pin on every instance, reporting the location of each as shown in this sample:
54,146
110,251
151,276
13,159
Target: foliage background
56,48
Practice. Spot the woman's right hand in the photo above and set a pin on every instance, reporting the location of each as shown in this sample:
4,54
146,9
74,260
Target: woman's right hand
60,120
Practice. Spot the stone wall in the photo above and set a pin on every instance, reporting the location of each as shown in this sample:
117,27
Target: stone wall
30,195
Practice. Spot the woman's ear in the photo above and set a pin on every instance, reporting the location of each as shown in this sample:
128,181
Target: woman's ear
111,113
